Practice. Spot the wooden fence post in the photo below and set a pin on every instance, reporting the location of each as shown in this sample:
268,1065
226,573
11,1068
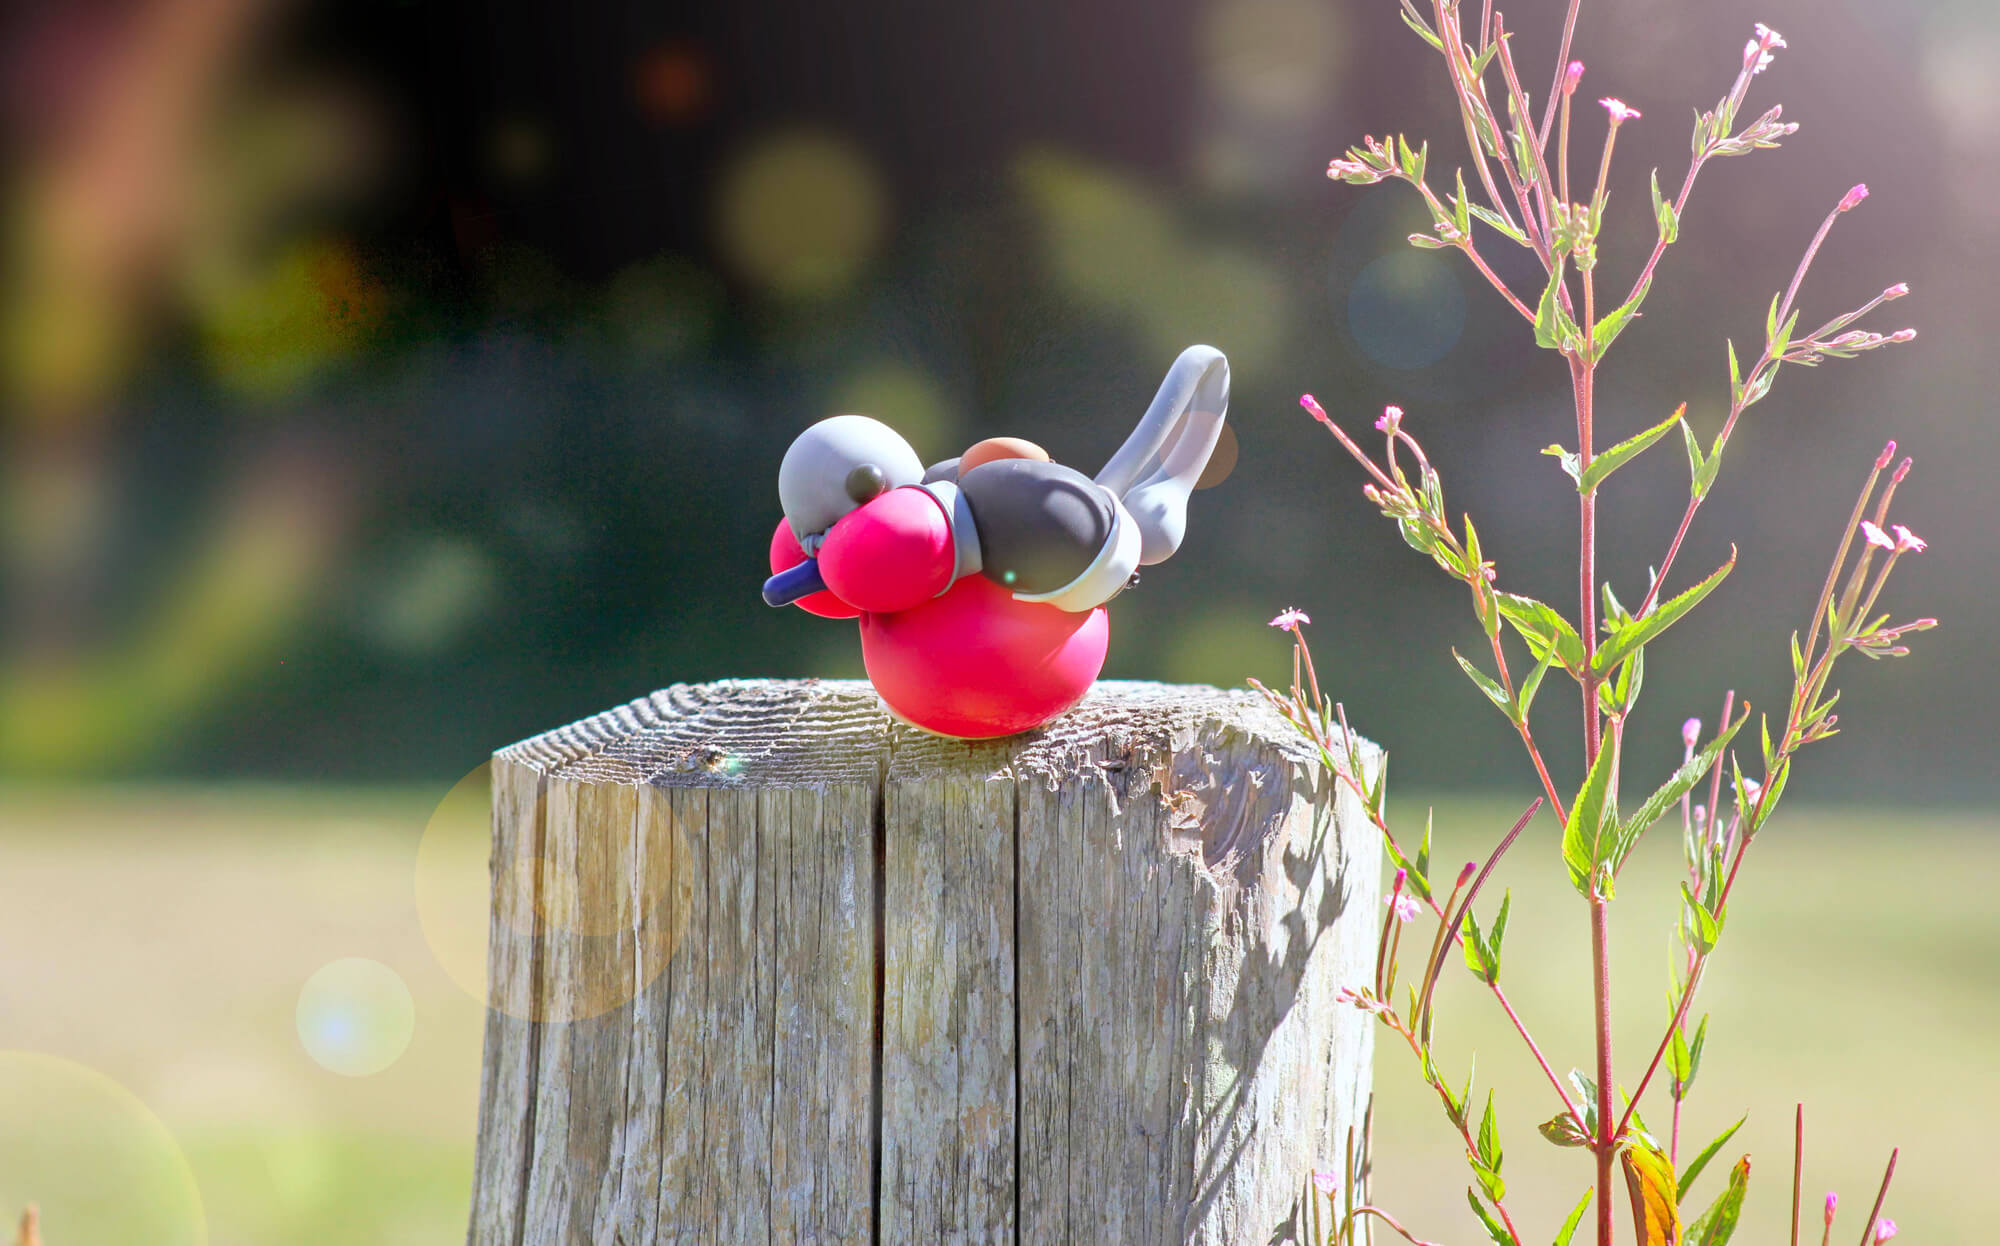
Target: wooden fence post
767,967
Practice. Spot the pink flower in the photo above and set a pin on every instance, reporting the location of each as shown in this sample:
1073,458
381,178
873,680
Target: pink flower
1620,111
1690,731
1908,542
1572,76
1887,456
1326,1182
1390,419
1405,907
1289,619
1465,875
1832,1201
1885,1229
1876,536
1852,199
1313,408
1757,52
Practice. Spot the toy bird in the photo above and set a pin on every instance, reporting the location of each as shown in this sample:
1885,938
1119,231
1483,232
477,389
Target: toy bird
981,582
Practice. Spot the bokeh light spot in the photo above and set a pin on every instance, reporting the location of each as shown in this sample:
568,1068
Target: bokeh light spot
99,1163
801,213
672,84
356,1017
1406,310
1274,59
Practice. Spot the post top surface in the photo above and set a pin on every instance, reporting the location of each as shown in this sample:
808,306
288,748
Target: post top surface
785,733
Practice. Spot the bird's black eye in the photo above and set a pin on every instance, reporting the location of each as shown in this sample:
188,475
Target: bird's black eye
865,483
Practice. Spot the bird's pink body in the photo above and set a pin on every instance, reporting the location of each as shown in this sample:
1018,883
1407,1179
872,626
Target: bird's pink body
975,662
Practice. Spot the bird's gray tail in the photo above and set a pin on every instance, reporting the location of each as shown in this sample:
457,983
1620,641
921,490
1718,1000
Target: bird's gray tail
1156,469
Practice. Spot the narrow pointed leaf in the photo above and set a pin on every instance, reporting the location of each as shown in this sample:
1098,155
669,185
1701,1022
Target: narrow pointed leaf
1691,772
1718,1224
1494,692
1641,631
1575,1218
1624,452
1613,324
1543,627
1700,1161
1586,820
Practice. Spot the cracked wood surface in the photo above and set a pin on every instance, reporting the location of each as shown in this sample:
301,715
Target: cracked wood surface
766,966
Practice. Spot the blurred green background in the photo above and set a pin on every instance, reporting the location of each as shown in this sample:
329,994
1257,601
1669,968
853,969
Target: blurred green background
385,381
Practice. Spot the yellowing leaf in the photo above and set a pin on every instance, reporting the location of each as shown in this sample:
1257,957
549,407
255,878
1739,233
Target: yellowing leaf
1649,1179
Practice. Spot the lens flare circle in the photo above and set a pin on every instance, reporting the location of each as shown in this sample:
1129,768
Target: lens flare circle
356,1017
1406,310
451,882
98,1162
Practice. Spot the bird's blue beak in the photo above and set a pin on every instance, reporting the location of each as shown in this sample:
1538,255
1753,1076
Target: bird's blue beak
793,583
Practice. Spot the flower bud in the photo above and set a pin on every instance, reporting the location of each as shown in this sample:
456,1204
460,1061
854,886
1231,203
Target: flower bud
1885,1229
1690,731
1572,76
1853,198
1887,456
1903,335
1312,406
1402,876
1896,291
1902,470
1465,875
1832,1201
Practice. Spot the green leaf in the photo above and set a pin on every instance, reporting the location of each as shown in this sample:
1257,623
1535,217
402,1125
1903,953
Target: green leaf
1694,1049
1489,1137
1586,1094
1417,24
1543,627
1426,242
1533,683
1484,58
1499,931
1494,692
1461,219
1499,223
1553,327
1414,880
1572,464
1663,213
1718,1224
1706,927
1489,1181
1700,1161
1607,330
1562,1131
1677,1060
1642,630
1424,848
1582,834
1494,1229
1680,784
1477,957
1735,376
1693,449
1575,1218
1624,452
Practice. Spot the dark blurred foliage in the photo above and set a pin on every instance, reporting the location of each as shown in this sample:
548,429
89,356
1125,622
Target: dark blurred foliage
388,380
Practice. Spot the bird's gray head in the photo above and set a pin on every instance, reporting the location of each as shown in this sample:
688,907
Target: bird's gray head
835,466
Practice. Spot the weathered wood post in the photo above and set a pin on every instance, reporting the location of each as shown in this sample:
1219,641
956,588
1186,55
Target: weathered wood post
766,966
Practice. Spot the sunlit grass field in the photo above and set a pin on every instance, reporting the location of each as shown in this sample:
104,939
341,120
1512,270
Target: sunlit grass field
155,943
